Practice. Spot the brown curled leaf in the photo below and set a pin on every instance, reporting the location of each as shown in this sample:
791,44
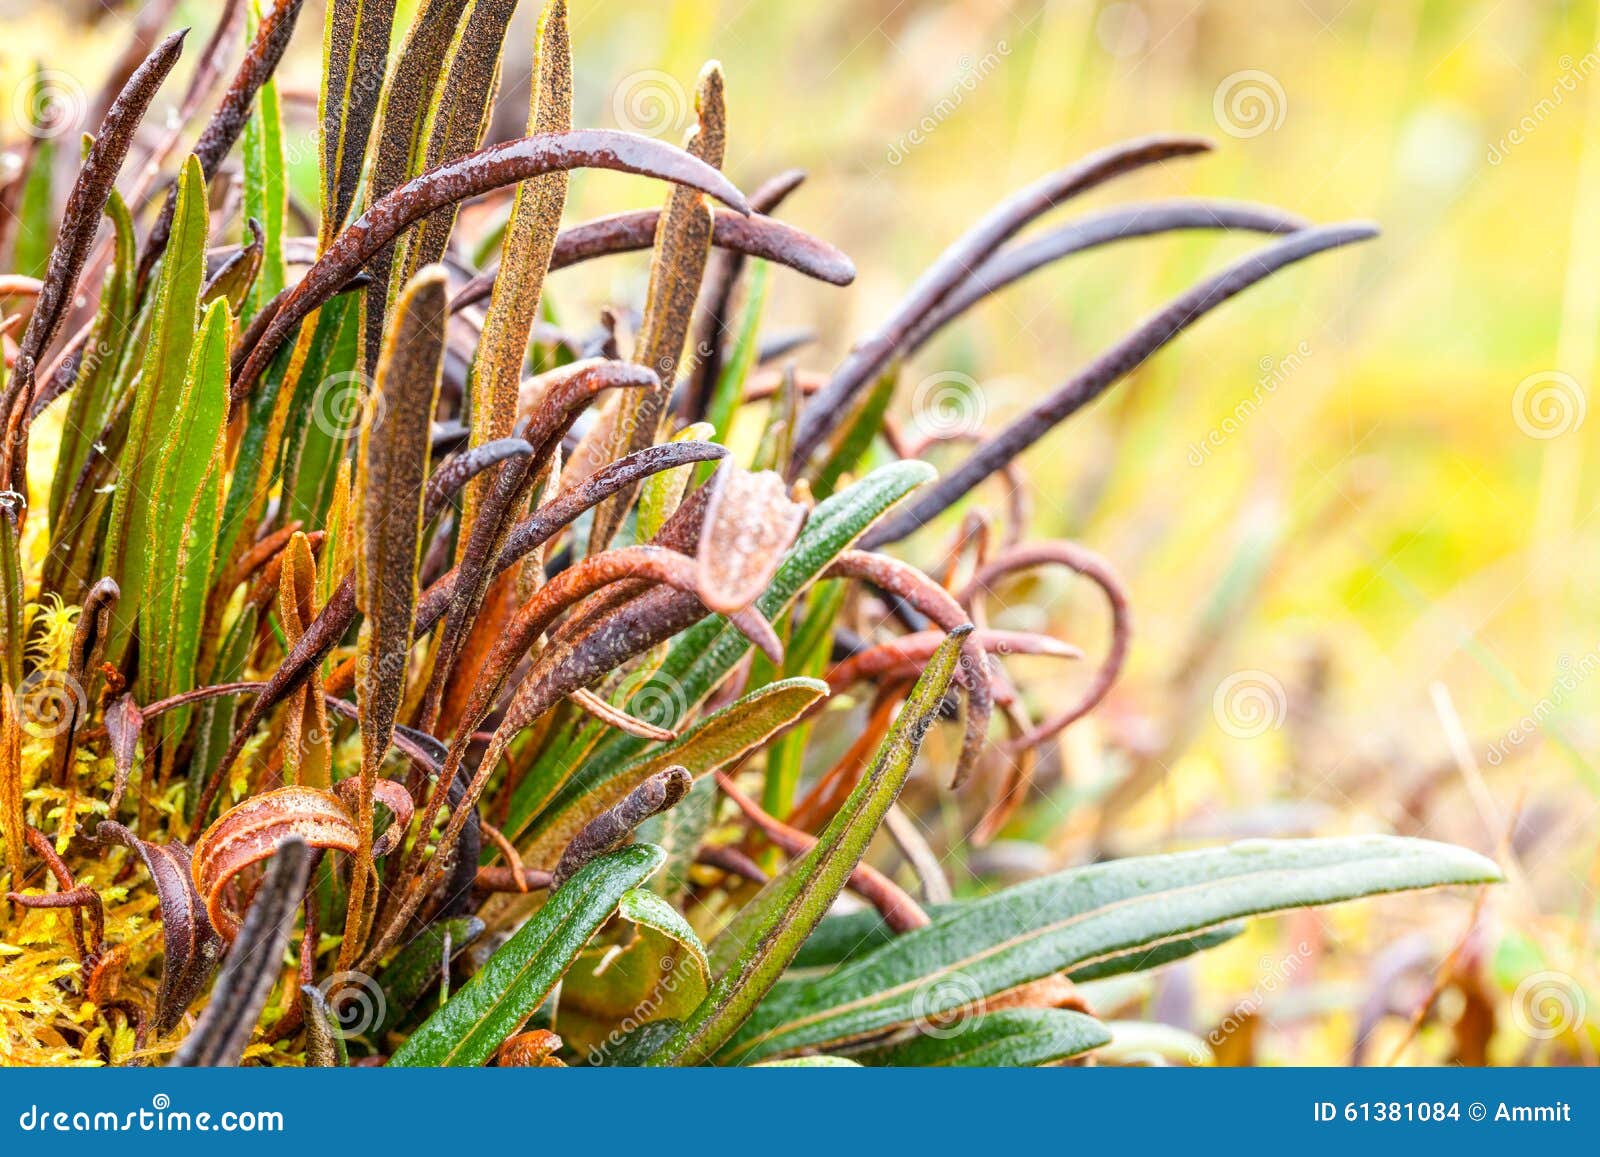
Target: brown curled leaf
191,947
614,827
477,173
251,968
123,721
534,1049
749,524
928,597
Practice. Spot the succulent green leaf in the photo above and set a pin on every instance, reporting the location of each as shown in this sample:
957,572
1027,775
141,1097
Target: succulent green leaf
1010,1038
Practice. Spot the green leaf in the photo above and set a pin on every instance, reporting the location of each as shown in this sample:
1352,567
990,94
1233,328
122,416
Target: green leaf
712,743
1068,920
36,235
765,935
808,652
850,443
1009,1038
517,978
729,390
182,533
705,654
266,196
322,414
160,385
661,974
415,968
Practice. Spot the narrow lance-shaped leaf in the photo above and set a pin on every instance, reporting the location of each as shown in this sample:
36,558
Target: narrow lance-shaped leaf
266,196
399,141
1008,1038
524,254
307,751
182,531
160,385
683,243
355,53
1066,921
773,926
191,947
79,221
517,978
395,437
460,115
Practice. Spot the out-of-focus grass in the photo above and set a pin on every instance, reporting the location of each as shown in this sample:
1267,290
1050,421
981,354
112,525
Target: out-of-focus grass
1416,455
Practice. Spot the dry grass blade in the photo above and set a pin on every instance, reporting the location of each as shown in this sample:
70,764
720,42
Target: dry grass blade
683,244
